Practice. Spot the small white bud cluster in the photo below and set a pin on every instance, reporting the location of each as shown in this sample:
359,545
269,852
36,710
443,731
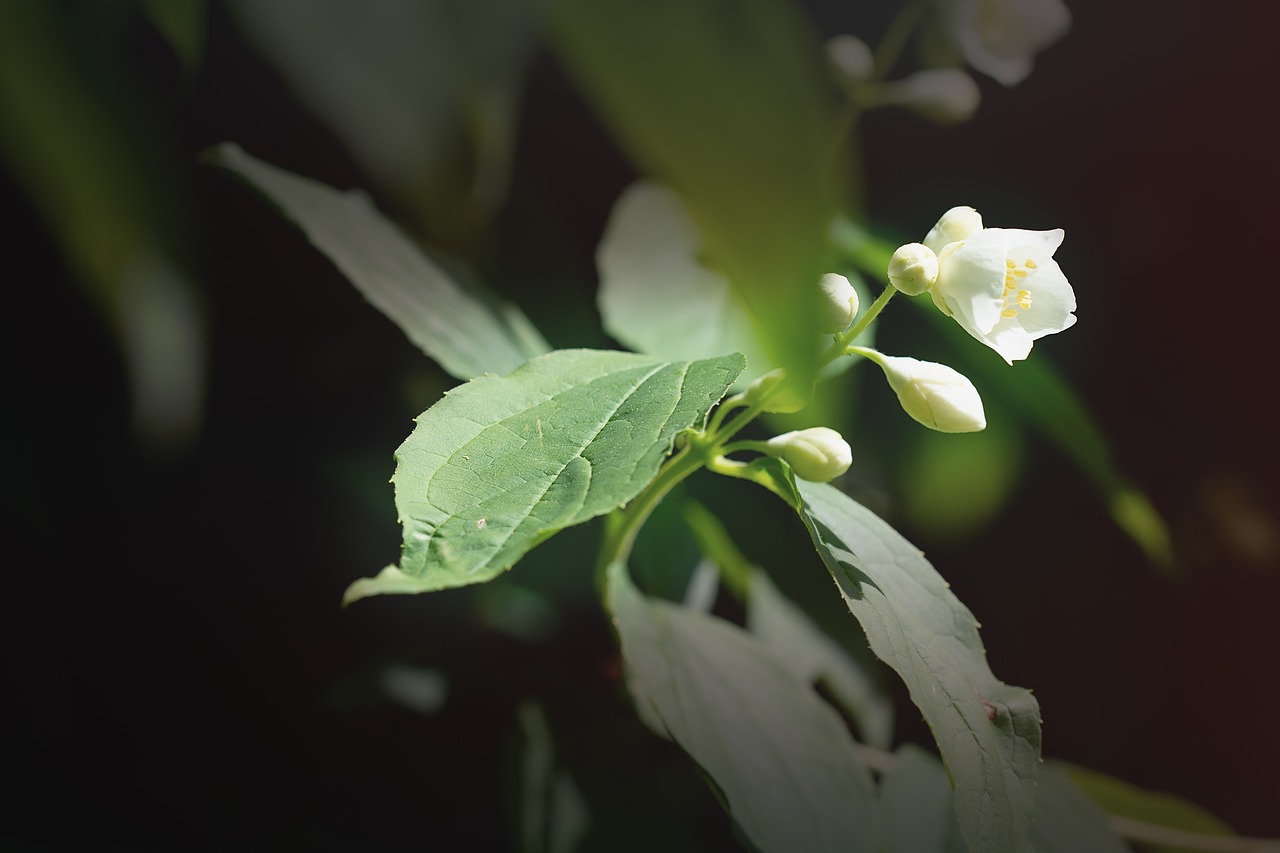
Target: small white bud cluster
817,454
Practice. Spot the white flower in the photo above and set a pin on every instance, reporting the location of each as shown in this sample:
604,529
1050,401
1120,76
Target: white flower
957,223
913,268
943,95
839,303
999,37
1004,288
934,394
778,395
817,454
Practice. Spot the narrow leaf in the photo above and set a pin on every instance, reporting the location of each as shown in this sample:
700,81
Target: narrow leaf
987,731
467,333
781,758
502,463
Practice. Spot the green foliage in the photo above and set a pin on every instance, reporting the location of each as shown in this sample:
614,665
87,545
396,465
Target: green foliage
462,329
988,731
781,760
727,103
502,463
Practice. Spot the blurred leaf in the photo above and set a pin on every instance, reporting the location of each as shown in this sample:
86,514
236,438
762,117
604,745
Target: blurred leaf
1124,800
916,626
422,92
726,102
656,298
809,653
1039,396
1067,821
77,140
553,813
915,798
782,760
502,463
182,23
461,329
954,484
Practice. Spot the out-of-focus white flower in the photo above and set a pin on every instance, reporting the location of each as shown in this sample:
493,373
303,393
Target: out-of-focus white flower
935,395
1004,288
851,57
999,37
817,454
839,303
913,268
942,95
774,394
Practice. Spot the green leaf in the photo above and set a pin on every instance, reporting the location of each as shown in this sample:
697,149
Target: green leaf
810,654
916,626
916,806
1125,800
656,297
1067,821
502,463
728,103
782,759
461,329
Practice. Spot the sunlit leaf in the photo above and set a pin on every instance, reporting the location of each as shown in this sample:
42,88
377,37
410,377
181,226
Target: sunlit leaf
781,759
987,731
466,332
502,463
727,103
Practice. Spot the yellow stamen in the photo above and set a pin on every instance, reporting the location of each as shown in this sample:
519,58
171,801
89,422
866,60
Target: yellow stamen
1008,312
1021,273
1028,263
1024,299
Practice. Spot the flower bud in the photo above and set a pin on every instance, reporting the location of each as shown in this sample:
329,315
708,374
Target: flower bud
817,454
913,269
839,303
852,58
785,399
958,223
934,394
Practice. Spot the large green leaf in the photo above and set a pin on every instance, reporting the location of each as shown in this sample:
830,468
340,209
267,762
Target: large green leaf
502,463
781,759
464,330
988,731
726,102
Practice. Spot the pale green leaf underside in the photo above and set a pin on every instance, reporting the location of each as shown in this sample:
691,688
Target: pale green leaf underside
501,463
458,328
656,296
781,758
916,626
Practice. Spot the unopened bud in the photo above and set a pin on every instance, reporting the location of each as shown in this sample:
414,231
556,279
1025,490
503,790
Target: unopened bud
934,394
777,394
852,57
913,269
958,223
817,454
839,303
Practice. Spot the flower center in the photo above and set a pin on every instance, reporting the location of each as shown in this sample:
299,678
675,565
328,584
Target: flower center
1016,296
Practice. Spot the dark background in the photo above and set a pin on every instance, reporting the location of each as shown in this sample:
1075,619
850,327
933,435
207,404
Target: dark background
179,667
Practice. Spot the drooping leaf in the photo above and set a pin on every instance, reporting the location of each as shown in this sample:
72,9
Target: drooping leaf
465,331
726,102
502,463
987,731
782,760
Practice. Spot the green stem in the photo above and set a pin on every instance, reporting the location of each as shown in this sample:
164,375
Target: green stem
621,535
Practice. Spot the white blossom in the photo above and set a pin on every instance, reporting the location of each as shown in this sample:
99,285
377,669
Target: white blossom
817,454
999,37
